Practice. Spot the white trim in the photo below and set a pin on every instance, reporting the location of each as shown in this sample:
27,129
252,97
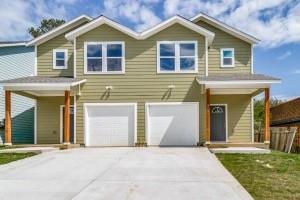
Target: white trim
104,57
13,44
177,57
239,82
35,60
59,30
41,85
233,31
226,119
74,58
252,119
222,57
35,121
206,57
85,118
144,35
252,60
65,51
61,123
147,104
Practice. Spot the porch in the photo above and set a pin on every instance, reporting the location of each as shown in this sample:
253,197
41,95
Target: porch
64,89
219,89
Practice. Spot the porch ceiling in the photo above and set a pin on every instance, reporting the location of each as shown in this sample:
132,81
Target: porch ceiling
41,85
236,83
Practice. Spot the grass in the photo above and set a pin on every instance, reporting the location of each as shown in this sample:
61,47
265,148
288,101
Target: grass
10,157
266,176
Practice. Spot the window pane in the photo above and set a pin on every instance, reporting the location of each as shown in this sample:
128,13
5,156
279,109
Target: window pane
167,49
60,55
60,63
167,64
227,61
114,50
187,63
94,65
114,64
94,50
187,49
227,53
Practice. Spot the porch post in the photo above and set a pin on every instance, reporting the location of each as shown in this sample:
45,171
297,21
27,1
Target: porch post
267,115
207,115
7,118
67,118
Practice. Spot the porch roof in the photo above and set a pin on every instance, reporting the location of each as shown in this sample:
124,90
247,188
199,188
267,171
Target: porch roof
40,83
236,83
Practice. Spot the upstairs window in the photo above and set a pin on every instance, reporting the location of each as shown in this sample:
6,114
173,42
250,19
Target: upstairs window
60,59
227,57
177,57
104,58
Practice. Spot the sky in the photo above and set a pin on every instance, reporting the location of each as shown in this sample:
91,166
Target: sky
275,22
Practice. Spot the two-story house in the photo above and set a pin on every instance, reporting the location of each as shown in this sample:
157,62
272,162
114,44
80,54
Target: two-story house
183,82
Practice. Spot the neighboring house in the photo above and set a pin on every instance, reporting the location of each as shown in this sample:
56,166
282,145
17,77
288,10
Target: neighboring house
183,82
287,114
17,60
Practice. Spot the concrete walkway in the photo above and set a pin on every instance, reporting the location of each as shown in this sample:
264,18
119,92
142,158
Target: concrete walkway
120,173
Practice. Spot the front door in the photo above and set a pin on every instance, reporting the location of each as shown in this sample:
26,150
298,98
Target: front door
71,123
218,123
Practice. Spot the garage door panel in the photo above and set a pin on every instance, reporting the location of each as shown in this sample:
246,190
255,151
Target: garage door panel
109,125
173,125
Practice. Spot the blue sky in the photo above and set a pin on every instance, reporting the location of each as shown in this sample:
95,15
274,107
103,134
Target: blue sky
275,22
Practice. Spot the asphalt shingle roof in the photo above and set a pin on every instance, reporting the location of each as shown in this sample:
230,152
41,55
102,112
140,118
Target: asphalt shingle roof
237,77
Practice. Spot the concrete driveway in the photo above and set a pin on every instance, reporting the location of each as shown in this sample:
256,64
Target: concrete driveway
120,173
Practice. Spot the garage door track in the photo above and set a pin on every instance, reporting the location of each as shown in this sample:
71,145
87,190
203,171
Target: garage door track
120,173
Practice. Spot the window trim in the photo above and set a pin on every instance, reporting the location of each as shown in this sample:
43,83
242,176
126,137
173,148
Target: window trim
177,57
65,51
222,58
104,57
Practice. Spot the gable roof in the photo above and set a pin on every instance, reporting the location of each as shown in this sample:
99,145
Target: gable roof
143,35
57,31
224,27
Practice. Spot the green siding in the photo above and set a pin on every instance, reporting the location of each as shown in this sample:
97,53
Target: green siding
222,39
140,83
45,54
239,116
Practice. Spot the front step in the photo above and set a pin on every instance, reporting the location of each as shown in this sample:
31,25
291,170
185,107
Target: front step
224,145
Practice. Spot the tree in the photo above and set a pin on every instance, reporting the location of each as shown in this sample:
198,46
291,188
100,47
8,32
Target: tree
45,26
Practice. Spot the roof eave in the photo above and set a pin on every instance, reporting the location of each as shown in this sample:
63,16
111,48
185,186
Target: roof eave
43,38
231,30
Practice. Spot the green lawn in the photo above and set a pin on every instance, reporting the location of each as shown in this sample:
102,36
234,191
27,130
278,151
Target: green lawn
266,176
10,157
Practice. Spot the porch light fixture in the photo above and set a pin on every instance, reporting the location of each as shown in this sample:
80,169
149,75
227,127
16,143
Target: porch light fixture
108,87
171,87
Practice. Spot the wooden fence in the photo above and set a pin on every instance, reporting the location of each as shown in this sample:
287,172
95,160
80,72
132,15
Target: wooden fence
286,139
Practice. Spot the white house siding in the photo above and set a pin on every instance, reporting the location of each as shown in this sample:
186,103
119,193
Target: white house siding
18,61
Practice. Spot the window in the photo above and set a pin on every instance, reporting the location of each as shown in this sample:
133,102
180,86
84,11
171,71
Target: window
60,59
177,57
104,58
227,57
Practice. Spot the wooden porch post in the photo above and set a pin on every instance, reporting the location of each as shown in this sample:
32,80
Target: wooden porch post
207,115
67,118
267,115
7,118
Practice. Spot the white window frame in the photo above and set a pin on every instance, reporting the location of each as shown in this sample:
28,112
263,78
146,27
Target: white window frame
177,57
104,57
65,51
222,58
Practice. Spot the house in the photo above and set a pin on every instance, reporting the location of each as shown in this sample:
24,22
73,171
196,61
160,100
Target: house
183,82
287,114
17,60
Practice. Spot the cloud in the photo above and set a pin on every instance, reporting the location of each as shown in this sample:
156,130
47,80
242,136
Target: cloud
284,56
275,22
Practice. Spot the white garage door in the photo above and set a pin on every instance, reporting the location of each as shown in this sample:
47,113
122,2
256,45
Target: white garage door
172,124
110,124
